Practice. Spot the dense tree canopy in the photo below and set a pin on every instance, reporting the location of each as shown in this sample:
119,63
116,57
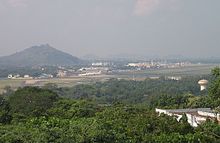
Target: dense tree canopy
32,101
114,111
4,111
132,92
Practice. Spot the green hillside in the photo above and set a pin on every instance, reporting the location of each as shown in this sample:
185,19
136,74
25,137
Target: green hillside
38,56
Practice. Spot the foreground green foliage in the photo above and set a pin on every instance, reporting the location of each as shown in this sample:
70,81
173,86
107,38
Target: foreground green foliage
94,114
53,119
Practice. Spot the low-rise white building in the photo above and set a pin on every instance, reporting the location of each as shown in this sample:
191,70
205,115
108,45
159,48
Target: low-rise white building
176,78
90,73
61,73
11,76
194,116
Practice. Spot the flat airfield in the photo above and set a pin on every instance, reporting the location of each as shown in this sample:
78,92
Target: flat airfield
193,70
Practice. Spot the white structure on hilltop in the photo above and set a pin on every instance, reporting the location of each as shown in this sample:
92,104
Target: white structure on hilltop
194,116
203,84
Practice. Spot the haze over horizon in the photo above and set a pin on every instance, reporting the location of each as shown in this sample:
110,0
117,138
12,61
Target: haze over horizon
190,28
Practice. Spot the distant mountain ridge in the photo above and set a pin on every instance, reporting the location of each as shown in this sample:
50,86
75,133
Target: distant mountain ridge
39,56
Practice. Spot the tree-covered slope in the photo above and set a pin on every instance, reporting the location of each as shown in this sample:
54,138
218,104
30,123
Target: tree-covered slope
39,55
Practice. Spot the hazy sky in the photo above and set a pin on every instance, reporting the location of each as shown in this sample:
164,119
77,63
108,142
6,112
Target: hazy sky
112,27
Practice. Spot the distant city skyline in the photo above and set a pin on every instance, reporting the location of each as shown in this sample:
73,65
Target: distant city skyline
144,28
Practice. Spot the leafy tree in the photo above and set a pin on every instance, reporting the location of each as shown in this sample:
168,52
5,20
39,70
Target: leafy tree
5,116
32,101
216,72
73,109
8,91
214,90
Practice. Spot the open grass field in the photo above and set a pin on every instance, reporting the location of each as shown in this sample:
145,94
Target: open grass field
138,75
61,82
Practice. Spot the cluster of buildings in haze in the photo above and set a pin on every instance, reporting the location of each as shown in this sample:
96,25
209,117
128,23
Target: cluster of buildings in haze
27,76
104,68
157,64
